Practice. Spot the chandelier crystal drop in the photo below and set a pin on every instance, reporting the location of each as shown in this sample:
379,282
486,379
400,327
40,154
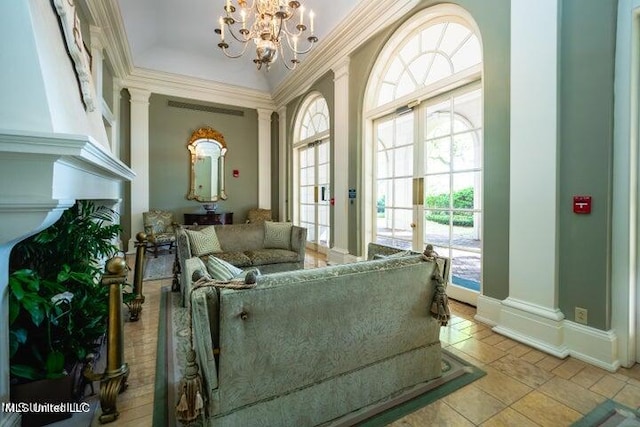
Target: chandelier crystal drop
277,28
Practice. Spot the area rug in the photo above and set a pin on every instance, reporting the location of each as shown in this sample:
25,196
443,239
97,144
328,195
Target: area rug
158,268
610,414
173,343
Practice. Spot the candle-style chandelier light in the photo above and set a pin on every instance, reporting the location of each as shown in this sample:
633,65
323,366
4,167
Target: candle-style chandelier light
275,26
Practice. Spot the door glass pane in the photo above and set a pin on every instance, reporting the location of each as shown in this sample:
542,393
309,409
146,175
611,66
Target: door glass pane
402,193
311,231
464,190
404,161
438,118
323,153
468,107
466,269
466,151
402,225
323,174
438,155
385,159
466,230
437,191
383,198
306,194
404,130
384,233
436,227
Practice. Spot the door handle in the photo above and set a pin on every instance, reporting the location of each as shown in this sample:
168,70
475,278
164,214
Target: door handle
413,225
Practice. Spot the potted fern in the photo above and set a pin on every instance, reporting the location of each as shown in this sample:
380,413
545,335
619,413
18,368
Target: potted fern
57,306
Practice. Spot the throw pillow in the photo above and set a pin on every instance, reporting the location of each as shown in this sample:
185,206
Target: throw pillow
203,242
222,270
244,272
277,235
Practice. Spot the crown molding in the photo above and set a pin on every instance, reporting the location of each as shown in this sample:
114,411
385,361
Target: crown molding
199,89
364,21
106,15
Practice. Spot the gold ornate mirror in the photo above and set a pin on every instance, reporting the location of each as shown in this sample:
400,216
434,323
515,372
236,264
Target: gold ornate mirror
208,150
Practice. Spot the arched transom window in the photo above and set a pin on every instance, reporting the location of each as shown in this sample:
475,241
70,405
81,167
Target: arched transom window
315,119
426,57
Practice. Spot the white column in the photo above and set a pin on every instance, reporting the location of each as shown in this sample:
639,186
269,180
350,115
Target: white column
339,252
282,164
530,313
139,159
264,158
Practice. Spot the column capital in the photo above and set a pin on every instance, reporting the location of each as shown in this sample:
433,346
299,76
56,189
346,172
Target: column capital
139,95
264,113
341,69
97,38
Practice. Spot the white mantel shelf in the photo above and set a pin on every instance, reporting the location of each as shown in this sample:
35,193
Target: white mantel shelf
79,149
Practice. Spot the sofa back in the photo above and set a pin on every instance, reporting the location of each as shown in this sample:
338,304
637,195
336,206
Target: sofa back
299,328
240,237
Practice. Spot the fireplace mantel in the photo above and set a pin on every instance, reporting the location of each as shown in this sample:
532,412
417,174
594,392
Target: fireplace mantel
41,175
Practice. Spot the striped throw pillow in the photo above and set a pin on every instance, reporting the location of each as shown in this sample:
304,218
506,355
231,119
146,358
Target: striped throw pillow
277,235
222,270
204,241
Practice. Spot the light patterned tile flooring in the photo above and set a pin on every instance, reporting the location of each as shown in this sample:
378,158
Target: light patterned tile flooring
523,386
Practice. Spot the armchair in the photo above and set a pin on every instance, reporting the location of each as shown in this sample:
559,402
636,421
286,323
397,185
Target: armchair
159,227
257,216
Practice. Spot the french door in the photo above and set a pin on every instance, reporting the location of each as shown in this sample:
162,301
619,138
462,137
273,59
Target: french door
428,184
313,193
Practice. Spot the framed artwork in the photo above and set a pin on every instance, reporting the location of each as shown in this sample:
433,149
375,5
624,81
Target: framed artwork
70,23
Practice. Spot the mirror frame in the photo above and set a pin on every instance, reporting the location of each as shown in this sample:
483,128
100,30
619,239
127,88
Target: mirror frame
207,134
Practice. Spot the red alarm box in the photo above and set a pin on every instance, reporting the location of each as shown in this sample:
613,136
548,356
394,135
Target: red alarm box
582,204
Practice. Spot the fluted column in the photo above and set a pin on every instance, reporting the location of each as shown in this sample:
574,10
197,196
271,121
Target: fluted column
139,159
264,158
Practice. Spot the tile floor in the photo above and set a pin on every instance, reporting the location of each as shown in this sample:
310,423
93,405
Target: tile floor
523,386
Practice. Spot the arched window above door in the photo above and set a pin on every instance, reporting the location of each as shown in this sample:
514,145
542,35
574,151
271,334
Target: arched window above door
440,51
313,118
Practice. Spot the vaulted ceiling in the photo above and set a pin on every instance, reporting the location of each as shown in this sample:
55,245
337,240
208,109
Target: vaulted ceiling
177,36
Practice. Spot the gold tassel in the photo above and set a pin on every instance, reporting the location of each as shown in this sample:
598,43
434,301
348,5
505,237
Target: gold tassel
191,404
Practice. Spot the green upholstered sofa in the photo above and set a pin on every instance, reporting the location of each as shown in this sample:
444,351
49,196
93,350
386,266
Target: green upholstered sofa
243,246
311,347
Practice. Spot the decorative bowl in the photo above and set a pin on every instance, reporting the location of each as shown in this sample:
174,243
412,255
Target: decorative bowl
210,207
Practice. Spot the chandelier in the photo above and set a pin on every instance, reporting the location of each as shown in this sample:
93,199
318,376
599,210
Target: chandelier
275,26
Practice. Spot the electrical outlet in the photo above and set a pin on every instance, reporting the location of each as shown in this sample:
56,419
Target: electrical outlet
581,315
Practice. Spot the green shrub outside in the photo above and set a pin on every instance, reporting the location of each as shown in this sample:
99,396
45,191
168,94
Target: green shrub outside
462,199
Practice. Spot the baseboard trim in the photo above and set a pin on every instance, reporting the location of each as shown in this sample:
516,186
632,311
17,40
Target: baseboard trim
594,346
559,351
488,310
548,332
